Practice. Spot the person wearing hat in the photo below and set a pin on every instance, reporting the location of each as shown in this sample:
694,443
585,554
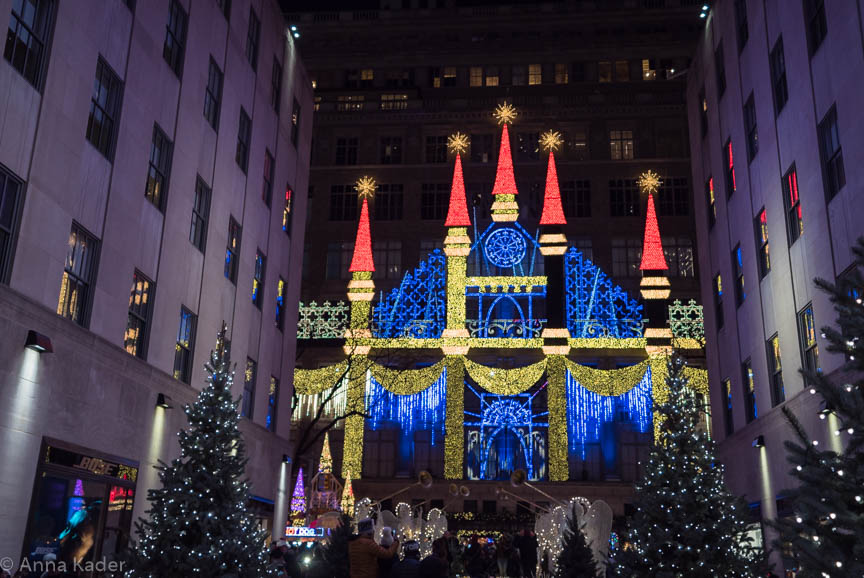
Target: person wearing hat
409,567
364,553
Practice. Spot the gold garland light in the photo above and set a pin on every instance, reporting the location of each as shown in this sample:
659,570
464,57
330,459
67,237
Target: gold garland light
406,381
312,381
608,382
505,381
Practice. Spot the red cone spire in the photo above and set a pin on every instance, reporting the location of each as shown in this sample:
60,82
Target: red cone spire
362,259
553,213
505,183
457,214
653,258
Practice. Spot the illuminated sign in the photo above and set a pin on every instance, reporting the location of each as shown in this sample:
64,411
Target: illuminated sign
303,532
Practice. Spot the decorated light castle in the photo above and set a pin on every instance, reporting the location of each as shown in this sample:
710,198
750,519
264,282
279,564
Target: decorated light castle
509,350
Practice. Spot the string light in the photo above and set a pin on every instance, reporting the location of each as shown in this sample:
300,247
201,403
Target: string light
553,212
505,114
505,183
457,211
458,143
653,257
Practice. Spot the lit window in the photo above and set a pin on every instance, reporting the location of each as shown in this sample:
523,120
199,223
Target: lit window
78,275
621,144
792,202
492,76
703,111
622,71
295,121
718,300
280,304
138,319
159,168
258,278
367,74
286,211
762,243
350,103
729,163
535,74
727,407
604,71
833,173
750,410
738,269
272,404
475,76
247,405
775,371
679,255
185,345
394,101
561,74
649,69
232,251
712,205
807,334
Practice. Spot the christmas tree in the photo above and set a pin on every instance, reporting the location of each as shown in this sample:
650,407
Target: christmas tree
348,498
827,531
325,465
198,522
298,501
335,552
576,559
686,521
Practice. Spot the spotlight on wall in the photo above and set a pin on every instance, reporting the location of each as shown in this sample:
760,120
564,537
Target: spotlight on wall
38,342
286,459
162,401
826,409
296,35
759,442
293,28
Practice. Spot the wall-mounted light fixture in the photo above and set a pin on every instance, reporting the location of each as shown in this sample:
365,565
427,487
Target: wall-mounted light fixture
162,401
286,459
759,442
38,342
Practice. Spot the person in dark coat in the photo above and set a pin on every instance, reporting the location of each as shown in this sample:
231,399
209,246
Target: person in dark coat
435,565
528,553
408,567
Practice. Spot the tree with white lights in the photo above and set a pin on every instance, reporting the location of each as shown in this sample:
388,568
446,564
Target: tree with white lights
687,523
576,559
198,522
826,533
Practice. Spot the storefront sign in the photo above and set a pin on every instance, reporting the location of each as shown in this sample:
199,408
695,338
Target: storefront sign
303,532
94,465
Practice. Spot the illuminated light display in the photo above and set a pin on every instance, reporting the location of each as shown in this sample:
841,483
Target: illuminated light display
556,401
457,212
325,464
607,382
298,501
417,308
505,114
655,332
551,140
505,381
505,183
458,143
406,382
312,381
365,187
362,258
424,410
454,450
649,182
687,321
653,258
346,504
553,212
505,247
654,281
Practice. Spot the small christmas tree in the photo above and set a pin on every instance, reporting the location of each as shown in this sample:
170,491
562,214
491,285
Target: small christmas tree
348,498
827,531
686,521
199,524
298,501
576,559
335,551
325,465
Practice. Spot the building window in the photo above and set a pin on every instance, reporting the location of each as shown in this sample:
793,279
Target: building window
343,203
247,405
78,275
519,75
286,210
213,95
604,71
225,8
159,169
10,187
626,257
576,143
775,371
621,144
316,103
712,202
243,135
346,151
434,201
232,251
267,185
367,77
387,256
703,111
444,76
535,74
738,270
718,300
750,128
624,198
649,69
817,24
175,37
528,146
792,202
427,246
339,260
833,173
401,78
750,410
482,148
388,203
720,70
727,407
585,246
492,76
475,76
29,24
258,278
185,345
622,71
350,103
252,37
761,223
272,404
280,304
679,256
295,121
729,163
200,215
576,198
391,150
561,74
276,86
104,108
741,23
436,149
673,197
479,197
394,101
807,336
138,319
778,76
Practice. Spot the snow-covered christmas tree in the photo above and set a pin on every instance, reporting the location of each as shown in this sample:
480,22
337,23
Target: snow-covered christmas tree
686,523
198,521
298,501
827,531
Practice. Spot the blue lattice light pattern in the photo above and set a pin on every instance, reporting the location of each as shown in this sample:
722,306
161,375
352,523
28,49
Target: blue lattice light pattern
505,247
596,307
587,411
418,306
503,250
415,412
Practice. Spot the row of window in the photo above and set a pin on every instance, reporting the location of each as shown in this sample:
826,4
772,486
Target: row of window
673,199
626,257
247,402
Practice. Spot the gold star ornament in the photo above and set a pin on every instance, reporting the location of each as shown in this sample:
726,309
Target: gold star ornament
551,140
458,142
649,182
365,187
505,113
